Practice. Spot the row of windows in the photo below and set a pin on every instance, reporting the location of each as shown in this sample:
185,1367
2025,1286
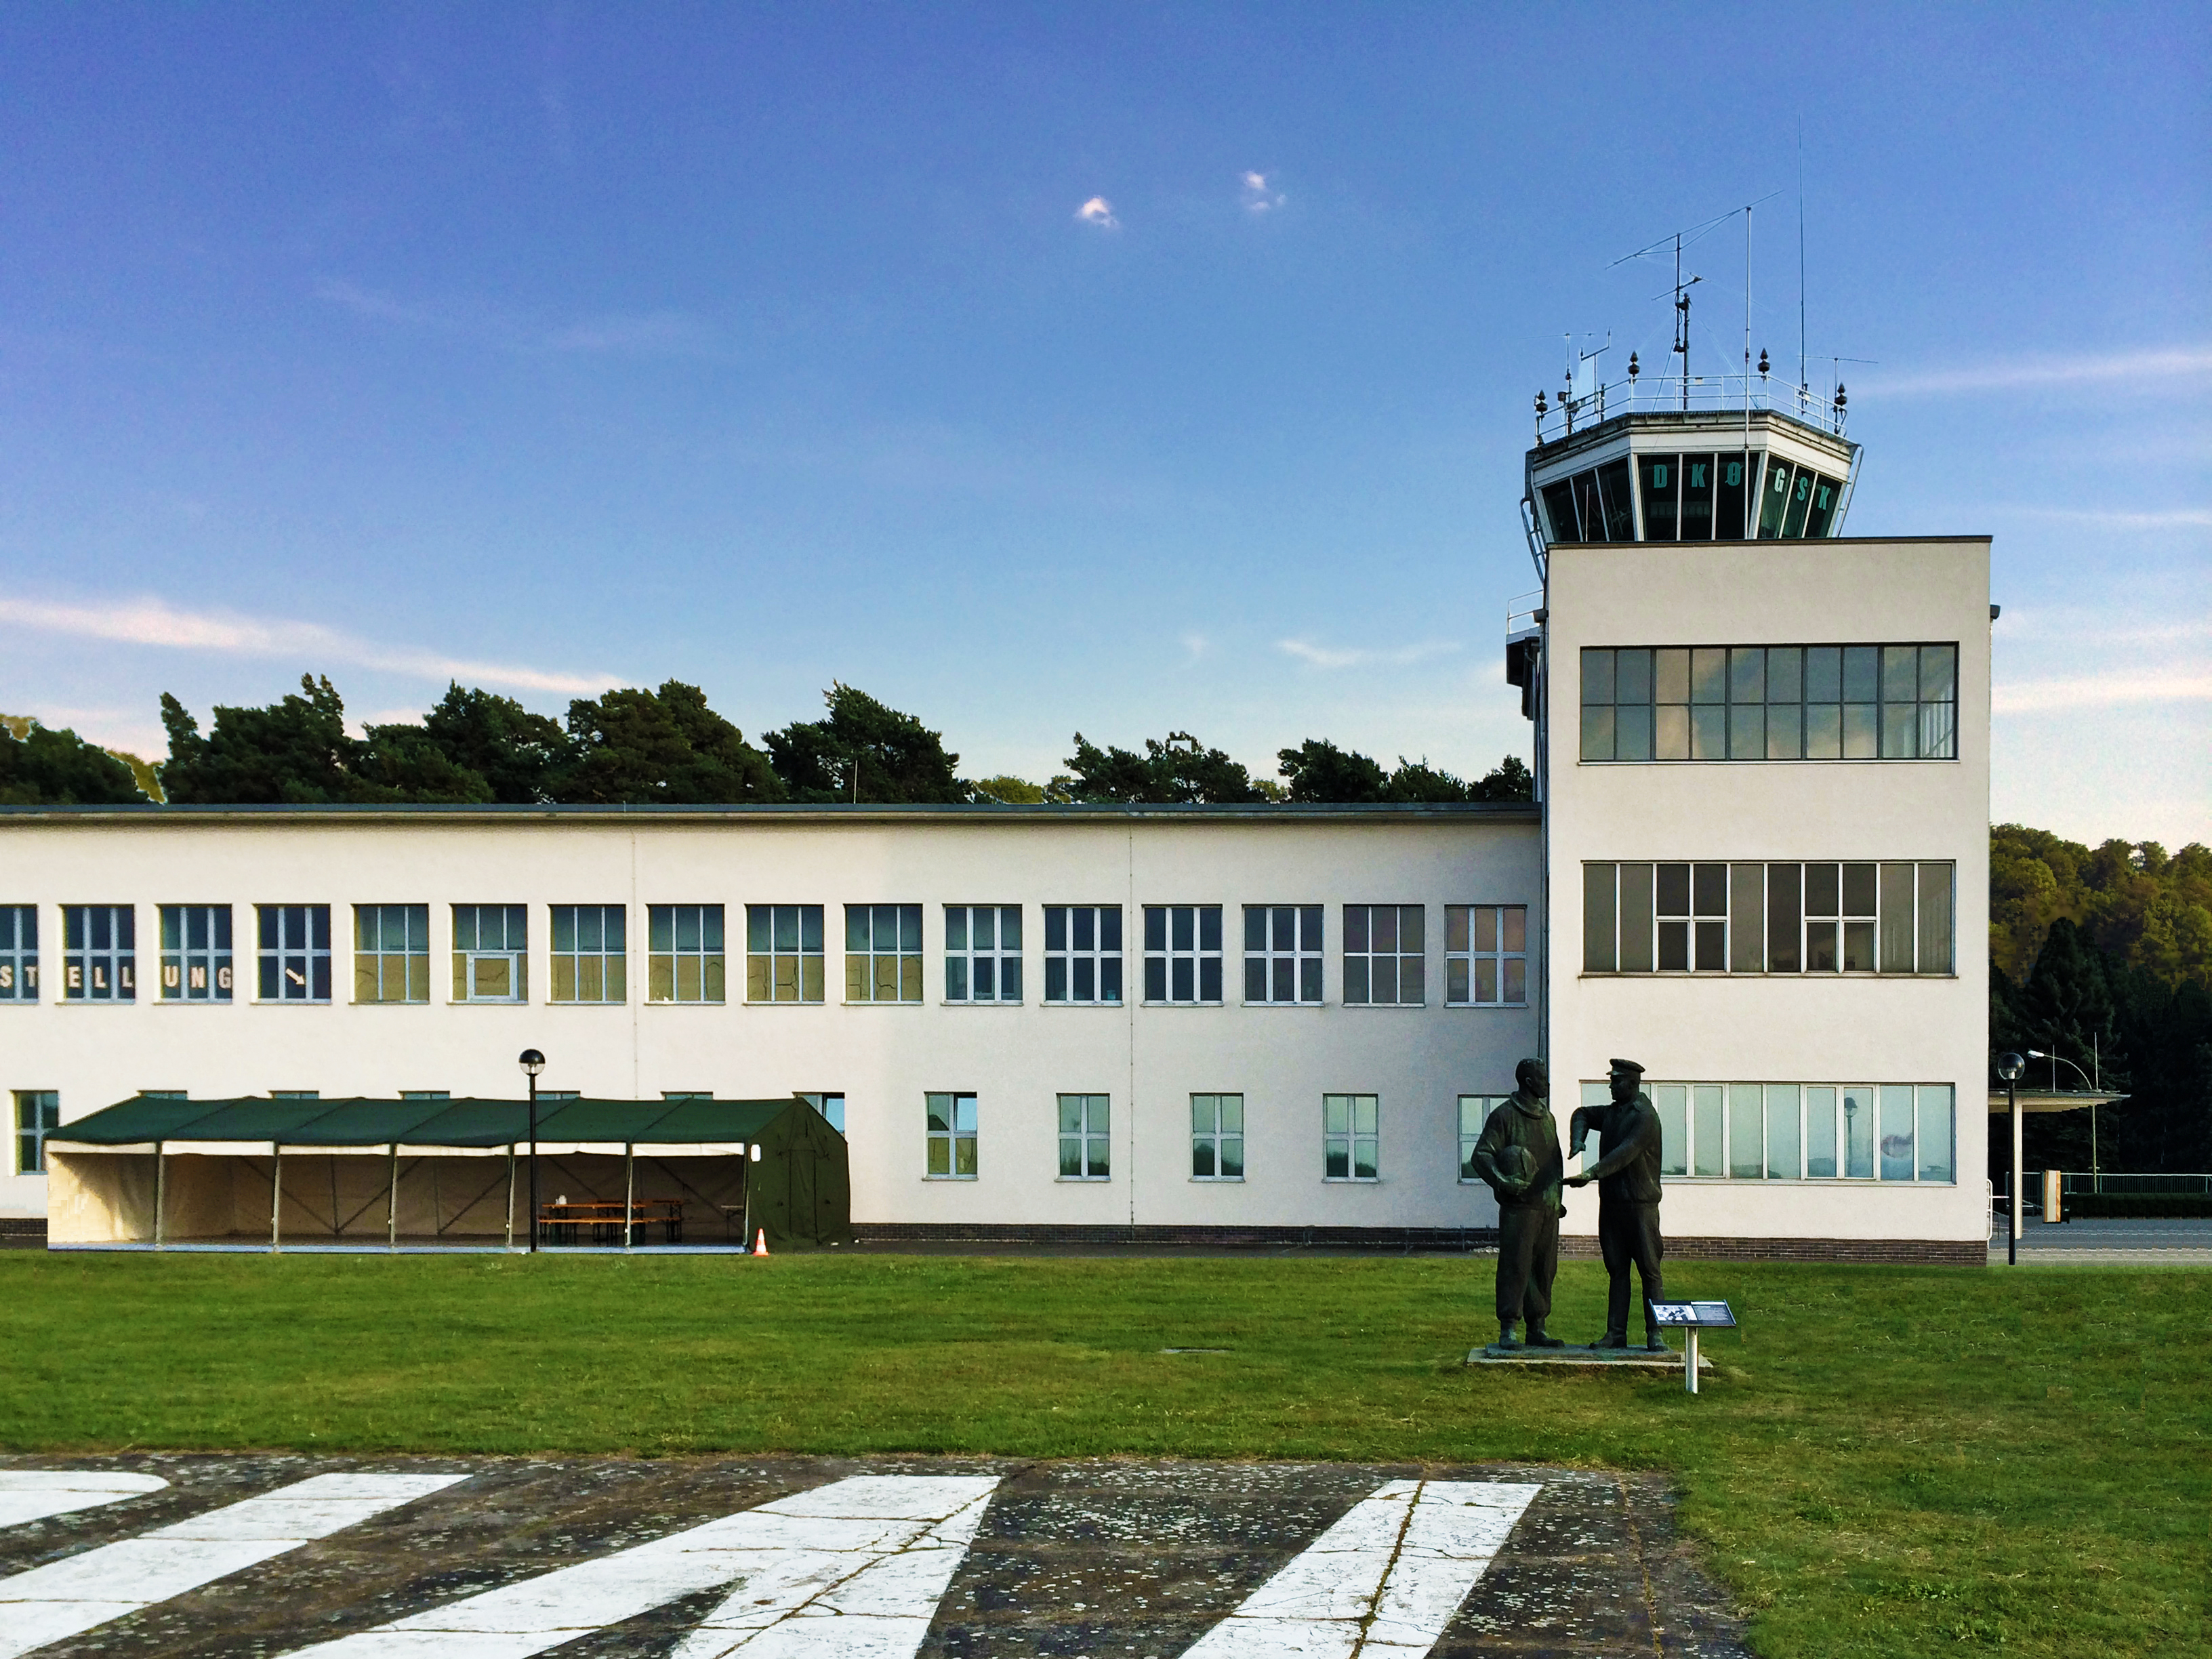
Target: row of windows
1752,702
1383,960
1889,1132
1694,498
1824,918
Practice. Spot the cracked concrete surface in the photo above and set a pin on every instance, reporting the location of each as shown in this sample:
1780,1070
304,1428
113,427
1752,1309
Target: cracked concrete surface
1150,1557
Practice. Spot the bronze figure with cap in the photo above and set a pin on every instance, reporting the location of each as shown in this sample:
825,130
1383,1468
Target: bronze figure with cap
1518,1155
1627,1175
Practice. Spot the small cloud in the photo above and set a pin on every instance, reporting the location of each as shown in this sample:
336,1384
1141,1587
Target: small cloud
2187,517
1327,656
1259,196
1100,212
1196,644
2185,684
2164,363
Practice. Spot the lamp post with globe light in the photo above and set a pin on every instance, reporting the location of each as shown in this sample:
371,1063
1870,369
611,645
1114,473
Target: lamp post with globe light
2009,1067
533,1063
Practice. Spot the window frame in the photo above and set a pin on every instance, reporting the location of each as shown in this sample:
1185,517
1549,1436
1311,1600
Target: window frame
38,1117
870,969
1303,965
517,956
1355,988
1214,1135
766,953
310,963
708,957
205,972
610,959
952,1135
963,957
1690,1111
1089,1136
1165,964
96,975
1469,958
377,961
1352,1137
1104,961
18,954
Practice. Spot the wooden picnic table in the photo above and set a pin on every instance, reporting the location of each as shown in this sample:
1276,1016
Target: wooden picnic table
562,1223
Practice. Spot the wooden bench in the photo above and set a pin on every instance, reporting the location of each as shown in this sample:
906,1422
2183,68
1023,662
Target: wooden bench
563,1224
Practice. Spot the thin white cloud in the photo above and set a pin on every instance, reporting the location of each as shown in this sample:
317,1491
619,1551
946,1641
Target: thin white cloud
2184,684
2184,518
1100,212
1327,656
2107,631
2160,363
153,621
1196,644
647,333
1260,196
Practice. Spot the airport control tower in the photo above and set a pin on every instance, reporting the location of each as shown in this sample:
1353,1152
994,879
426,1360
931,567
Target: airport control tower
1762,752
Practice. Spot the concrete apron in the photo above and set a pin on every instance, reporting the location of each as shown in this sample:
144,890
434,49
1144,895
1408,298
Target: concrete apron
466,1557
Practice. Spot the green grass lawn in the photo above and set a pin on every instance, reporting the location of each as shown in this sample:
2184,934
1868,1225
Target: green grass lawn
1889,1461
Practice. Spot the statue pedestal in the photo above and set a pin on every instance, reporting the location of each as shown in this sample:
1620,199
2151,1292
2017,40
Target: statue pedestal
1629,1359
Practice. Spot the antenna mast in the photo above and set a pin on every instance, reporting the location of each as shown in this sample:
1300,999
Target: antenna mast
1682,322
1801,383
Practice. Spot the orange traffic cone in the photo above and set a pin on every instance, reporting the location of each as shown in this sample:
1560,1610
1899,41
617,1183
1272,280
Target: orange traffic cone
760,1242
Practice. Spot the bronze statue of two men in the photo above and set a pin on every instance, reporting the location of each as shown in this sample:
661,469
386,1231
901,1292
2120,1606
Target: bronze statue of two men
1518,1155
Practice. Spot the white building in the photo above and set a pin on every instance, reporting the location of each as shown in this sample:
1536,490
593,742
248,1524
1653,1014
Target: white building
1762,854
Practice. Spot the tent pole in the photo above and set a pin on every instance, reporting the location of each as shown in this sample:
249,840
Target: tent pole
510,1196
337,1229
275,1196
160,1181
629,1188
391,1204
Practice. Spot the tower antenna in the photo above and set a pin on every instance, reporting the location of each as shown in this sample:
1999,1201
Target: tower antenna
1801,263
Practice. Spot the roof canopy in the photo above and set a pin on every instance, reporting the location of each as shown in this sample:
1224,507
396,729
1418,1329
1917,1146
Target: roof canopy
477,1123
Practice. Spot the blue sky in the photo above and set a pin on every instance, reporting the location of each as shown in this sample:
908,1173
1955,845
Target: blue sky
555,346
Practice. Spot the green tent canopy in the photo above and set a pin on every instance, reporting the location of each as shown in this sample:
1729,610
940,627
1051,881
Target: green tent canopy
798,1189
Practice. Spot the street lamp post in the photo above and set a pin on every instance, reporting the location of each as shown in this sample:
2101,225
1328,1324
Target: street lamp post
2056,1061
2009,1067
533,1063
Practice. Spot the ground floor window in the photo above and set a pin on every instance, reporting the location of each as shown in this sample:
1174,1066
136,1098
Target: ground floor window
1217,1137
1886,1132
1475,1111
1350,1135
38,1115
1086,1137
950,1125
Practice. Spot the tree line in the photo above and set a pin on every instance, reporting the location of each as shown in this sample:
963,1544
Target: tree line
2103,957
666,747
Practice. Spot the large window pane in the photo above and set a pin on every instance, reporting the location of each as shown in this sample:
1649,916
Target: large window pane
1935,918
1747,918
1636,919
1781,1137
1936,1130
1598,954
1858,1134
1705,1128
1897,1132
1697,508
1660,477
1784,922
1673,1102
1820,1133
1897,930
1747,1140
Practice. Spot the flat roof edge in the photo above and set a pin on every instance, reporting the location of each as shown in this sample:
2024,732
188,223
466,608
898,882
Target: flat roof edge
1266,812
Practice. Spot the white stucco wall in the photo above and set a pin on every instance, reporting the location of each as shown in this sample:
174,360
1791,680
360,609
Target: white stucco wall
883,1059
1780,1027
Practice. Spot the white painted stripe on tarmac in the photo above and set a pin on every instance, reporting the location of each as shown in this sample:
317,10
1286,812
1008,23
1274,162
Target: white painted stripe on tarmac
67,1597
1382,1583
856,1567
34,1494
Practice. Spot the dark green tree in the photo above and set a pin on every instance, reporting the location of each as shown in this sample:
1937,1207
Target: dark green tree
294,751
1511,781
864,752
515,752
663,748
1317,770
1179,770
414,766
50,768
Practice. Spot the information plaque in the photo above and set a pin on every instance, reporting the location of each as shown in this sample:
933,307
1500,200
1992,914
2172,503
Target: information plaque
1694,1316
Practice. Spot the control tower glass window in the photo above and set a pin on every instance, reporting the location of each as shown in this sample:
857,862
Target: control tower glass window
1774,702
1592,506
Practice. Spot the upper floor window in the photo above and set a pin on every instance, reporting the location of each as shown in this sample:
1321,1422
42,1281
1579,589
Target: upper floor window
1486,955
196,962
295,952
99,953
491,953
1822,918
1282,952
1384,958
392,953
1351,1137
683,953
1698,497
1083,953
882,953
1217,1137
1787,702
38,1115
949,1123
983,953
1086,1137
783,953
589,958
831,1106
1475,1111
19,953
1182,953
